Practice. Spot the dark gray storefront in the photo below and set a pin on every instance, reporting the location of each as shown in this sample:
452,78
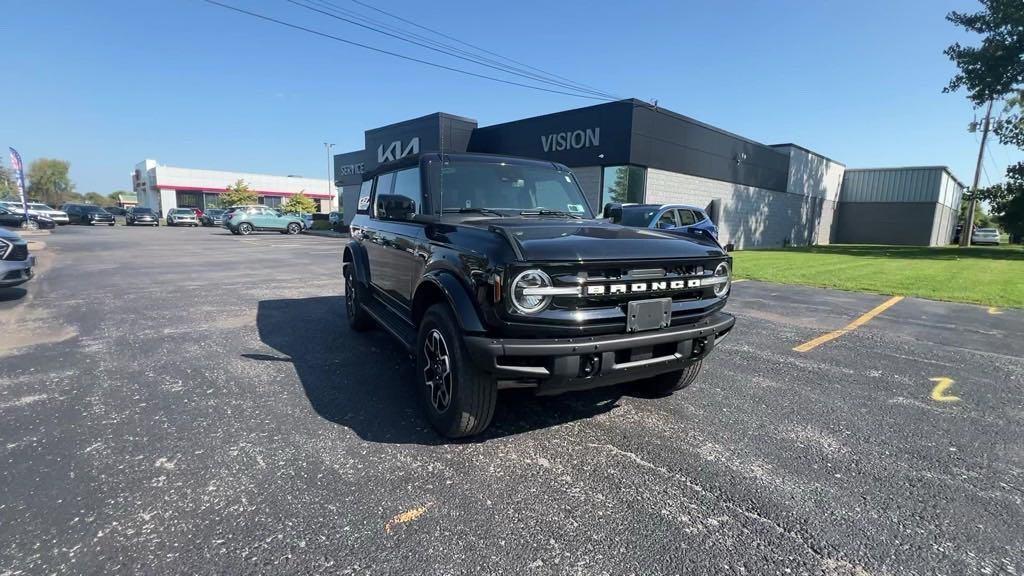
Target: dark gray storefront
630,151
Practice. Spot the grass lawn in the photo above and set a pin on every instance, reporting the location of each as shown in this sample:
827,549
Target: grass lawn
981,275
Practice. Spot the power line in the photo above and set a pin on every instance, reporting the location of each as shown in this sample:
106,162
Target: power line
396,54
475,57
502,68
464,43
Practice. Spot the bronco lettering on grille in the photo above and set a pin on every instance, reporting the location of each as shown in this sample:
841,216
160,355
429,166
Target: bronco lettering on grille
636,287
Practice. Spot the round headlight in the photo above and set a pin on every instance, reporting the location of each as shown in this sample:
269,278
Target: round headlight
722,271
530,303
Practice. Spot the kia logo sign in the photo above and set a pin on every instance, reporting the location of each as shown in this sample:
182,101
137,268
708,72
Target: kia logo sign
571,140
394,151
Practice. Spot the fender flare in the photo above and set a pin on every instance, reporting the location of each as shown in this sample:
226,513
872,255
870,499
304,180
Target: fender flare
357,254
458,297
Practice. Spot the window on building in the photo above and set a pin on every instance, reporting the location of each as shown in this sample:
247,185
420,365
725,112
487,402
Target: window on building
189,199
271,201
622,184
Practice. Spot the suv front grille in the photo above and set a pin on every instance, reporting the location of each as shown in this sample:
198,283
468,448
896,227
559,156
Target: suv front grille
653,281
19,252
11,251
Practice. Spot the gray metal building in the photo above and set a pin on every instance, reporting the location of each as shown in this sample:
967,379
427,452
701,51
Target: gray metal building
917,205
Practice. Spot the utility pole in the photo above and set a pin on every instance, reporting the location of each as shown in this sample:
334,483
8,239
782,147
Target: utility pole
330,182
968,229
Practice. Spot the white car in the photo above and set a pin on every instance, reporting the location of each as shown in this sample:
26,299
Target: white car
985,236
38,209
182,217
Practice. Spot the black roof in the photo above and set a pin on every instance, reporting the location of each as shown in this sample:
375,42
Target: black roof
414,159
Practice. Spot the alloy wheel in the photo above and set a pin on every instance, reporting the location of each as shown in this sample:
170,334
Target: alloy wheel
350,295
437,375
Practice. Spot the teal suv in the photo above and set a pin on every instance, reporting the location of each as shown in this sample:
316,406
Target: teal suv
245,220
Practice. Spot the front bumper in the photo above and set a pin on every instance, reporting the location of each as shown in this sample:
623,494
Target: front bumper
15,272
560,365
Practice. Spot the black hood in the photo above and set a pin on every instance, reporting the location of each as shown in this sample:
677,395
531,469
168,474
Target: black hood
542,239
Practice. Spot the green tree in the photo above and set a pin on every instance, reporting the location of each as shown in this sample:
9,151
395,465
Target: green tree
994,69
8,185
1006,201
48,180
299,204
96,198
237,194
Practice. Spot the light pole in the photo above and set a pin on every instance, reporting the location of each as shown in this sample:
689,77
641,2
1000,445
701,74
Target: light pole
330,182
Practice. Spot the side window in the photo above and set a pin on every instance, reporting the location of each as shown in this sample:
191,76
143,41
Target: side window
364,197
667,220
384,182
408,193
686,218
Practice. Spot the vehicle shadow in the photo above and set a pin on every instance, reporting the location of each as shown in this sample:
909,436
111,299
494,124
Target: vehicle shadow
364,381
12,294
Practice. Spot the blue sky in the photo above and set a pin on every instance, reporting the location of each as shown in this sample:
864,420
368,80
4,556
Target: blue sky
108,83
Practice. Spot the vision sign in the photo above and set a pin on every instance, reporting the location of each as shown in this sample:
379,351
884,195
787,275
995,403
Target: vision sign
571,140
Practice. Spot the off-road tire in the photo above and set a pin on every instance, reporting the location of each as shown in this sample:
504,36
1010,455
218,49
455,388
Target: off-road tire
472,393
669,382
358,319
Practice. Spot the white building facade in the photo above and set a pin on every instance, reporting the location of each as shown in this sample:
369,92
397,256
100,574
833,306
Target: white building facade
163,187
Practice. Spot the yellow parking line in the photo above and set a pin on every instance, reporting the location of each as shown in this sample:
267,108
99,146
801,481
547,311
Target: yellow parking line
993,310
739,280
812,344
942,384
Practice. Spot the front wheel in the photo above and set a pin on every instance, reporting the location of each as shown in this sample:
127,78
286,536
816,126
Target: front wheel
669,382
294,228
32,225
457,396
245,228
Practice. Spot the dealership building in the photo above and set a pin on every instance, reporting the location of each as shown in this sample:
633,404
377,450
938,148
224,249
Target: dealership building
164,187
629,151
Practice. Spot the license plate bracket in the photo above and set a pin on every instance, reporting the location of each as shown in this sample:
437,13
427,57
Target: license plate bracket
648,314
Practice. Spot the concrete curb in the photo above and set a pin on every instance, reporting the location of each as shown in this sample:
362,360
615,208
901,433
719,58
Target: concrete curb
33,232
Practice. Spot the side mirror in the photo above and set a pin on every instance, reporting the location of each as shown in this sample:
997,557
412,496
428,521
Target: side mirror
613,211
395,207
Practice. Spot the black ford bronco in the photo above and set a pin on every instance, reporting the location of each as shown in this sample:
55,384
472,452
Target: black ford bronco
493,274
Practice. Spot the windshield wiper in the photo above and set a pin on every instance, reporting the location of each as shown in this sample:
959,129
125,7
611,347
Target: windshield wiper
547,212
474,210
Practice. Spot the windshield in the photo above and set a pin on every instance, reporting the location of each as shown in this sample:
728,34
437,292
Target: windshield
93,210
142,211
184,211
214,212
500,187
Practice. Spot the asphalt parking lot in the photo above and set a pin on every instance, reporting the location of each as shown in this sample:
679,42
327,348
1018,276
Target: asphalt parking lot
187,401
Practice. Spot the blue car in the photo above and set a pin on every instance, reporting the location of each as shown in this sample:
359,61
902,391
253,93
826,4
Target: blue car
671,218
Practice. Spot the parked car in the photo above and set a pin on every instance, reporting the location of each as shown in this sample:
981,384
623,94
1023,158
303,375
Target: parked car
115,210
497,276
212,217
182,217
335,218
307,221
15,261
12,219
671,218
89,214
141,216
246,220
37,208
988,236
198,213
